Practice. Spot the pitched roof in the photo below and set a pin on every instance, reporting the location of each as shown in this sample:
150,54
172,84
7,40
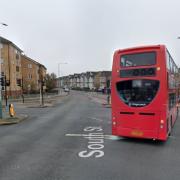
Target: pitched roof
6,41
33,61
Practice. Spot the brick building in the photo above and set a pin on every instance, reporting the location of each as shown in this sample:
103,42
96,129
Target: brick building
21,72
11,66
33,74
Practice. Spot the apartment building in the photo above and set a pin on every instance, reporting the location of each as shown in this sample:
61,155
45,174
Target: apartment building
11,66
33,74
21,72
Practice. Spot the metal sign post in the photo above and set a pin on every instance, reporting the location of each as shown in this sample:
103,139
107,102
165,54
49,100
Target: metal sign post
0,82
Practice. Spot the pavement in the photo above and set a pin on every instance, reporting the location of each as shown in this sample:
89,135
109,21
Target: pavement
99,98
30,102
13,120
35,99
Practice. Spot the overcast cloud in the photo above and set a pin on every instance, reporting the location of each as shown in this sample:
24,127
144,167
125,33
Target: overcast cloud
85,33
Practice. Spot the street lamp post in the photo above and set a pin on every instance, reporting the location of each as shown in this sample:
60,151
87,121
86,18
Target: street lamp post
1,114
3,24
178,77
59,86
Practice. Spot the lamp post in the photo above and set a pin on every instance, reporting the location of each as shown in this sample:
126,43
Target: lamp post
1,114
178,80
4,24
59,86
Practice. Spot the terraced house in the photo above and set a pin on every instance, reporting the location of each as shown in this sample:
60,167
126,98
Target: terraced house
87,81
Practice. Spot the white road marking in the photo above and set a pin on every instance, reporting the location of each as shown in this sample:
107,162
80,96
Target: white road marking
110,137
172,137
97,119
95,141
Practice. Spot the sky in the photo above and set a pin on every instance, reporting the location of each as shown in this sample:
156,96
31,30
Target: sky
76,36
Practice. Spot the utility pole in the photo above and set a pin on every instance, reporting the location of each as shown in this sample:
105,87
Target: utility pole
5,85
41,81
59,82
42,90
22,90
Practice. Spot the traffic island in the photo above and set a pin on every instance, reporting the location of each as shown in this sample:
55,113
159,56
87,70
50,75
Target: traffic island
106,105
13,120
40,106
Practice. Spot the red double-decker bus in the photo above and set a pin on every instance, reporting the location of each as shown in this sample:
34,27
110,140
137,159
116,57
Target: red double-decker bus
144,92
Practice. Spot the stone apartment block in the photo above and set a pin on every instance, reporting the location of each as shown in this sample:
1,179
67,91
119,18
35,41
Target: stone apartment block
33,74
11,66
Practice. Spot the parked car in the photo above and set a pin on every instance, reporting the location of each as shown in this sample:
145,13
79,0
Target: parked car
66,90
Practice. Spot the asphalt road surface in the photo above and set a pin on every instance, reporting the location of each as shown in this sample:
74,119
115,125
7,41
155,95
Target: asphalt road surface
72,141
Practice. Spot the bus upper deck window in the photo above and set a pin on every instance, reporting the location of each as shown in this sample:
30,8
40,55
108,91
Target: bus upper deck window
138,59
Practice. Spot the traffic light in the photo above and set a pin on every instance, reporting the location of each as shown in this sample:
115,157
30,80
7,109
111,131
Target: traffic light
2,79
43,83
7,83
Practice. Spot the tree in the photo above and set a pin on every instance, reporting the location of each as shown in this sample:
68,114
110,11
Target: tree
50,81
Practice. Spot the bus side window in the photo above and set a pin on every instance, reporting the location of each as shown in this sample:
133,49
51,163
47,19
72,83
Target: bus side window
167,60
167,80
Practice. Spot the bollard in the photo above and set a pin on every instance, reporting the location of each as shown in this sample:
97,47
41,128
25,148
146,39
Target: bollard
11,110
108,99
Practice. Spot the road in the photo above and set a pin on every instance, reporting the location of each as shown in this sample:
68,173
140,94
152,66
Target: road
71,141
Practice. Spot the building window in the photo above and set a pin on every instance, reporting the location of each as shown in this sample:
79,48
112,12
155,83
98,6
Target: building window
172,100
18,62
29,65
17,56
2,73
29,76
17,68
18,82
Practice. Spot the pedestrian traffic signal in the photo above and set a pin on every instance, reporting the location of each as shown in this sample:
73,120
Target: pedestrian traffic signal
43,83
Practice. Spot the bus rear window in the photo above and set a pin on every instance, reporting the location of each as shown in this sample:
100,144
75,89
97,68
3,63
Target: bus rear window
137,93
138,59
